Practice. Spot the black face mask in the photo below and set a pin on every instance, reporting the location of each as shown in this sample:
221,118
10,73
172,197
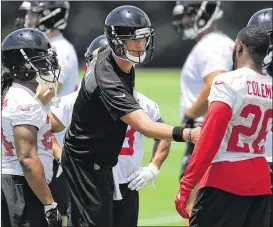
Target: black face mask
234,59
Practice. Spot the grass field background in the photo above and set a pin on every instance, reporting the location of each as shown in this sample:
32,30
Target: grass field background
157,207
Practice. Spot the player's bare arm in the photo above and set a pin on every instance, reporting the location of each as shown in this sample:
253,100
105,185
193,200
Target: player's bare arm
25,137
57,125
200,107
140,121
161,149
57,150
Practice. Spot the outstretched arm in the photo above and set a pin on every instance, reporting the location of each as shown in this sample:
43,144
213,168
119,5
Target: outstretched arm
140,121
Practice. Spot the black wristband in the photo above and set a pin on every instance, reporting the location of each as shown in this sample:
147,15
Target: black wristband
178,134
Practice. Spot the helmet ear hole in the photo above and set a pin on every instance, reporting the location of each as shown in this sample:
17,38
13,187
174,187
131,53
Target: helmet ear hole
16,68
120,50
28,66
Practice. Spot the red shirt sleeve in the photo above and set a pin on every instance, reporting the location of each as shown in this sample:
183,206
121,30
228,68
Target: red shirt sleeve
213,130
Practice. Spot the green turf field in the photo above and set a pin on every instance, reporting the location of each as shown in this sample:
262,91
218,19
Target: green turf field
157,207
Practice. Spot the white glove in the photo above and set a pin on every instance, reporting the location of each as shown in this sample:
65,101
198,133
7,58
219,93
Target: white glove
142,177
52,215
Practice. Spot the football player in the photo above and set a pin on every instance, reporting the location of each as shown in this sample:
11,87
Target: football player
129,177
263,18
229,160
28,62
211,56
103,109
99,44
51,17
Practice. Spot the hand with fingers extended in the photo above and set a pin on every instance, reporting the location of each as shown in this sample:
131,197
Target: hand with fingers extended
142,177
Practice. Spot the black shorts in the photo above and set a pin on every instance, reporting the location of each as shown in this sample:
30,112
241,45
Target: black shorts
91,191
19,205
126,210
59,189
214,208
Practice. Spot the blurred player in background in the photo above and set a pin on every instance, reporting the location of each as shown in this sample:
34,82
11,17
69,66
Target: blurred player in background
263,18
99,44
235,189
128,176
51,17
28,63
211,56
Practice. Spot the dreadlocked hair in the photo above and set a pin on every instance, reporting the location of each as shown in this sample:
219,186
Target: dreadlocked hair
6,82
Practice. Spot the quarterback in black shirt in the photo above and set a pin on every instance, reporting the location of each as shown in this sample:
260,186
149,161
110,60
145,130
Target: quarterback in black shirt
104,107
96,132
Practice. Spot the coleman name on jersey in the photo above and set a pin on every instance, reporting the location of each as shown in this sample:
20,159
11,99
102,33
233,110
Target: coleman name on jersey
259,89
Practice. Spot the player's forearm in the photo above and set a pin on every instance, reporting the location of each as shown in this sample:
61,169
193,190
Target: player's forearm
57,150
161,131
140,121
34,173
161,150
200,107
57,125
219,114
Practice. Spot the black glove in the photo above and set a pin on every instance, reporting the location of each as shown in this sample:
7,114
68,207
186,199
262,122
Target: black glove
53,216
188,122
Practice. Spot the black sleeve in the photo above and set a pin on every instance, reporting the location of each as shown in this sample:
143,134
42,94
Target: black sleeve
115,96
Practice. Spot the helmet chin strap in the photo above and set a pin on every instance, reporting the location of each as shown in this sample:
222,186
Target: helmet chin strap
133,59
124,59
